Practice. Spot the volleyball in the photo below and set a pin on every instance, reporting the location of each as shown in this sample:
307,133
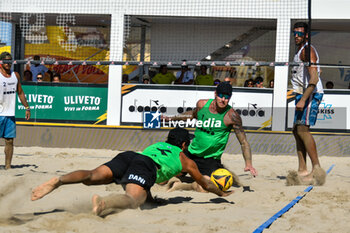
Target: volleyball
222,178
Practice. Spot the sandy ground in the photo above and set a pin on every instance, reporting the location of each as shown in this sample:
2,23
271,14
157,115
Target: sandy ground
68,209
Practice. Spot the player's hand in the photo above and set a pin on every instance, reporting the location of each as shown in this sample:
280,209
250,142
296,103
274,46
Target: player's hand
227,193
27,115
251,169
300,105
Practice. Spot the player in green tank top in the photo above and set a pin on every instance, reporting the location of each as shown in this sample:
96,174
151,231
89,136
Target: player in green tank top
211,138
137,171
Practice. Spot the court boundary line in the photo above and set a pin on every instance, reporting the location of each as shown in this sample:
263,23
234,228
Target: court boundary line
285,209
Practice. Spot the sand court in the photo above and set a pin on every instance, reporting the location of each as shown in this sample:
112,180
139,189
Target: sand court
68,209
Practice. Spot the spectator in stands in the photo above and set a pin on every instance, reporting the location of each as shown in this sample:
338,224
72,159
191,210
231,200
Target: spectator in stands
249,83
329,85
28,76
145,79
217,82
39,69
39,78
56,78
125,78
259,82
163,77
230,80
184,76
271,83
203,78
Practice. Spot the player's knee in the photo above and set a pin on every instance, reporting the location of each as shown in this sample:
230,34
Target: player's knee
89,180
301,130
9,141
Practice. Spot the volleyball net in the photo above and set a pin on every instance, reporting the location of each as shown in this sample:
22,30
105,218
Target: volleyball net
241,41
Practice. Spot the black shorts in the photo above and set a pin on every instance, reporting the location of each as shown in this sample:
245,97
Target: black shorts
131,167
205,165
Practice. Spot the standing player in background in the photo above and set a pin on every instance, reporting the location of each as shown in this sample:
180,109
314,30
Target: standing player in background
309,92
10,84
210,141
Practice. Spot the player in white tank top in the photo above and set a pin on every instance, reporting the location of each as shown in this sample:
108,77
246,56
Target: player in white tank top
9,86
300,75
8,91
307,84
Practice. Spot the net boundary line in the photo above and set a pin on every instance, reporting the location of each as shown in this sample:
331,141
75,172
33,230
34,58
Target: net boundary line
285,209
170,64
155,63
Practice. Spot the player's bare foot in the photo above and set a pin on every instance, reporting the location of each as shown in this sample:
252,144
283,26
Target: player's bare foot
45,188
7,167
172,181
303,173
308,179
98,205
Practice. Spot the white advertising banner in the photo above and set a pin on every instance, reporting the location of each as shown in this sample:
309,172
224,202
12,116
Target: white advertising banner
254,106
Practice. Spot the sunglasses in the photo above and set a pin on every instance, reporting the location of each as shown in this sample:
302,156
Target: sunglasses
224,95
299,34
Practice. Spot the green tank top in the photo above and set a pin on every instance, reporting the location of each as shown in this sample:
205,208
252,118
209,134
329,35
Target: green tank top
211,138
167,157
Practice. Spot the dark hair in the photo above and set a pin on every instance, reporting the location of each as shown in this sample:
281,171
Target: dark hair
177,142
329,83
247,81
259,79
177,136
301,25
30,75
161,67
55,75
224,88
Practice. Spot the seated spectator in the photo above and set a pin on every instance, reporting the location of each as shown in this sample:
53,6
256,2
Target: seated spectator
329,85
184,76
271,83
39,69
125,78
145,79
163,77
259,82
56,78
203,78
28,76
249,83
217,82
39,78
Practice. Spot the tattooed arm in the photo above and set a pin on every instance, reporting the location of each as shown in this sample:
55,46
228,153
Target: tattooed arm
236,122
